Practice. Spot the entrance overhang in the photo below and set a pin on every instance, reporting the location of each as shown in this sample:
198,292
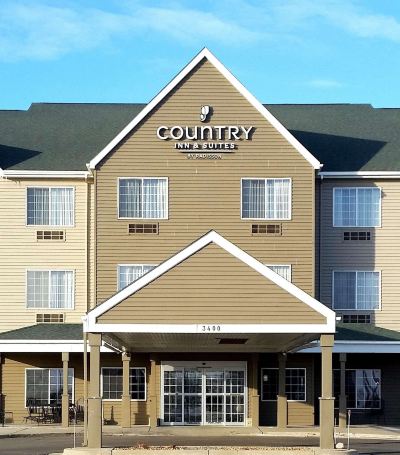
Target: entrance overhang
287,311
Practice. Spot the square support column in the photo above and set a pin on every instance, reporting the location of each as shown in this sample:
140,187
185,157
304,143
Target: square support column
342,396
254,397
326,413
153,393
94,398
126,393
65,397
282,411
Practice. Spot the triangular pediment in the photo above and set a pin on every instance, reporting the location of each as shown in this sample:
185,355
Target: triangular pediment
205,57
212,281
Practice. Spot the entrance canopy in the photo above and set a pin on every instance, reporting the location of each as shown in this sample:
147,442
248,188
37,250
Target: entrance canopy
211,296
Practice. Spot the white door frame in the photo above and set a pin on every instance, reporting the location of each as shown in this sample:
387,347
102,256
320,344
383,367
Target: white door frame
207,365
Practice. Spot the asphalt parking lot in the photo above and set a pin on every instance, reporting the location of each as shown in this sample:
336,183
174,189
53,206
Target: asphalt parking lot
52,443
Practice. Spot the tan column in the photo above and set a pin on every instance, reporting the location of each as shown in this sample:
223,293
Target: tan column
342,396
255,397
126,393
65,397
94,398
326,413
282,413
153,393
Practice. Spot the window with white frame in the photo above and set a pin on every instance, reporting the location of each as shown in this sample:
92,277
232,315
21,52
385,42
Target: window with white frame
266,199
50,206
283,270
44,386
50,289
362,388
128,273
295,384
357,207
356,290
112,383
144,198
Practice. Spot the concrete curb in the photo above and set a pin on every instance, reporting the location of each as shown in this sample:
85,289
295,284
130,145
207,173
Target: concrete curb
210,451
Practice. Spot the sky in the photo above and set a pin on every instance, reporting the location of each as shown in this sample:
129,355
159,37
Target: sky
126,51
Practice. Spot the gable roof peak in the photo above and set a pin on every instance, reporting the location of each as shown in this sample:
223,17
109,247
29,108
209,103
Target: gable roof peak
206,53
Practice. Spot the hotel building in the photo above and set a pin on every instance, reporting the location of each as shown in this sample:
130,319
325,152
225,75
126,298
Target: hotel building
203,259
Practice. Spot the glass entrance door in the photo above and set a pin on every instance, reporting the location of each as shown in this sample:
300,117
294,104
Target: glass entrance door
204,396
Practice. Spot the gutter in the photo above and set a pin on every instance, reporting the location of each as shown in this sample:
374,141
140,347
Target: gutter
45,174
360,174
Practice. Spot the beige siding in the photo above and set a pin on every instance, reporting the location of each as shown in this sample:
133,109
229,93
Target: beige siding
382,253
20,251
187,294
13,379
204,194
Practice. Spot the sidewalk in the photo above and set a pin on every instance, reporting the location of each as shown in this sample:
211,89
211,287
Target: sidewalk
360,431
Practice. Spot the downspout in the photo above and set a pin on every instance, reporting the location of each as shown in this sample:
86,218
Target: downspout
319,238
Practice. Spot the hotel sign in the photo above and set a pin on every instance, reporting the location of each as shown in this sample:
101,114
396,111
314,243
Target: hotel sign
202,139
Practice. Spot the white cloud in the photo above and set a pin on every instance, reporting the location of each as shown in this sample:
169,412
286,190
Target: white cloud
34,29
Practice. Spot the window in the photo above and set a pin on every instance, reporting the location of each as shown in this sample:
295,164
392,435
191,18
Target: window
284,271
50,206
50,289
127,274
356,207
295,387
112,383
355,290
266,199
363,388
44,386
143,198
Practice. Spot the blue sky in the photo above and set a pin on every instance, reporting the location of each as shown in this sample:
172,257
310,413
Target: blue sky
283,51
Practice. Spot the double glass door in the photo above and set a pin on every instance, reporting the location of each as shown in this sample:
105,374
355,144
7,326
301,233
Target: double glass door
204,396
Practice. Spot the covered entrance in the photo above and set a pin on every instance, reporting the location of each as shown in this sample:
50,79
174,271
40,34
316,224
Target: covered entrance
211,300
203,393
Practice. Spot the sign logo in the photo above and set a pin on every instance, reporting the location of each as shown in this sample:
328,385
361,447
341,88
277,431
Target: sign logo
204,112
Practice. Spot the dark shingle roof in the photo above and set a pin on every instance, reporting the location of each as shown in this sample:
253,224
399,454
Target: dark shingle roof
365,332
344,137
60,137
45,332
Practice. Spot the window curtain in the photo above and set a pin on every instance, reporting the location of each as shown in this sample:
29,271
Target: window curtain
368,205
278,199
130,198
367,290
345,290
253,195
38,206
61,206
130,273
37,289
282,270
61,289
154,198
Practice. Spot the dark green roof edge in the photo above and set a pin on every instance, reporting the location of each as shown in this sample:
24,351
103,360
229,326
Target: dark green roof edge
365,332
45,332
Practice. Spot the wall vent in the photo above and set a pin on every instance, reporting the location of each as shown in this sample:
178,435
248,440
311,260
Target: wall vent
356,318
233,340
142,228
50,235
50,318
356,235
266,229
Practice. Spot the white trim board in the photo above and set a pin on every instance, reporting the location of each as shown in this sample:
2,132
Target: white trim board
44,174
206,54
359,174
46,346
91,325
356,347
